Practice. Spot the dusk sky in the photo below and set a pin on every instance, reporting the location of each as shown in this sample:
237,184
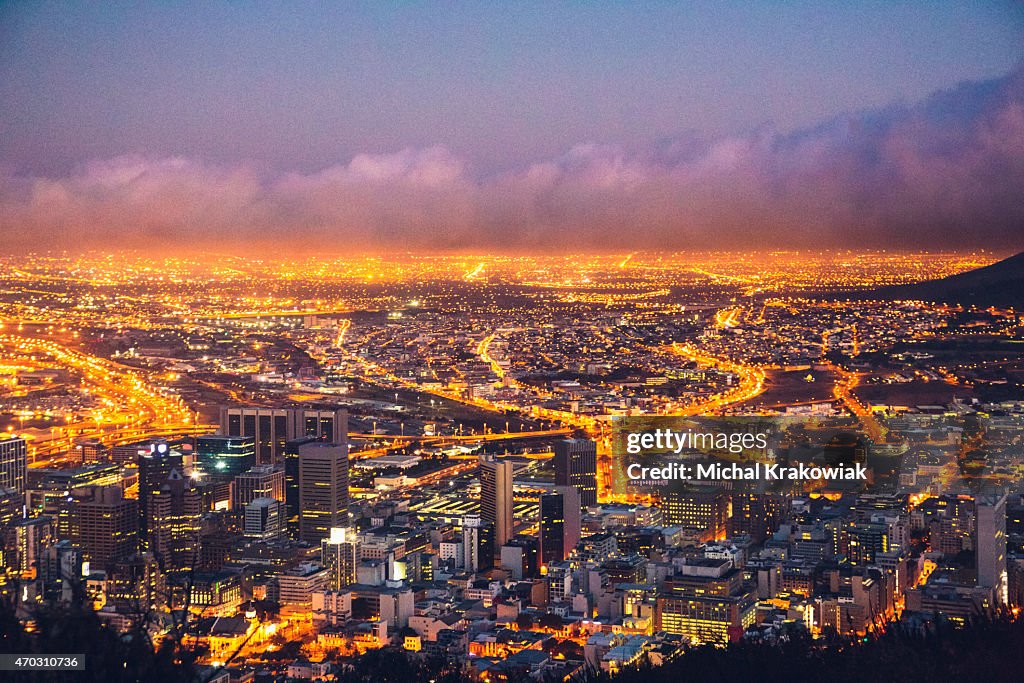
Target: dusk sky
523,127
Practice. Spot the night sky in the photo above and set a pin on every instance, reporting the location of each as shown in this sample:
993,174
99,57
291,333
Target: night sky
527,127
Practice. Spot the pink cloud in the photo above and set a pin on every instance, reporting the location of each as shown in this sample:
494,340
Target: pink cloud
946,172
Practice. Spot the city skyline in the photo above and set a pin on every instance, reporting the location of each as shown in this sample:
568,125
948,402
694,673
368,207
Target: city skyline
462,343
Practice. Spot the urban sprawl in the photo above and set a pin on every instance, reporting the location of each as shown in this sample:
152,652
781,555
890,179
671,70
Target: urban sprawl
280,465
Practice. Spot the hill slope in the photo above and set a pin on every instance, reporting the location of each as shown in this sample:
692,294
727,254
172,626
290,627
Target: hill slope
1000,284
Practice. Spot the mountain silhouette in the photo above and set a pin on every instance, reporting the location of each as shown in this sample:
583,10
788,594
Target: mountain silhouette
1000,284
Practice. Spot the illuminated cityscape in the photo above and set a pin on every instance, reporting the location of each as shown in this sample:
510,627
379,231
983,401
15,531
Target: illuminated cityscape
178,458
470,342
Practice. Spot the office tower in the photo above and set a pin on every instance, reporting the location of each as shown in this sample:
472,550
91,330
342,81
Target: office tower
297,585
559,524
704,509
323,489
757,515
155,465
262,481
174,511
576,466
226,456
990,548
291,482
60,571
32,535
264,519
272,428
339,552
478,548
496,496
560,582
706,601
11,505
136,585
865,540
13,463
103,523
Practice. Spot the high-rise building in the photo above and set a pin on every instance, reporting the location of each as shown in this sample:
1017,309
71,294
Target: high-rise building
576,466
297,585
272,428
757,515
136,585
174,511
12,504
478,548
60,571
32,535
559,524
155,465
865,540
990,548
704,509
226,456
323,489
103,523
707,601
291,482
264,519
340,554
496,496
262,481
13,463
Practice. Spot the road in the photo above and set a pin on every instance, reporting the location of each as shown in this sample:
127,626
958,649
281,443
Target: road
845,383
751,380
131,407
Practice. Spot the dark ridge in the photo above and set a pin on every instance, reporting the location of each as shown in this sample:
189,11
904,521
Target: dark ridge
1000,284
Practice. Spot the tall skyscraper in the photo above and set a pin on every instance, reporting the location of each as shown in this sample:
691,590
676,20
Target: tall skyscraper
478,548
291,482
339,552
13,463
174,511
272,428
496,496
323,489
990,549
103,523
31,536
559,524
155,465
226,456
576,466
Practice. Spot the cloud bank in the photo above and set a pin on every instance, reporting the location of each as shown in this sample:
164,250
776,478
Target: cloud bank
947,172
